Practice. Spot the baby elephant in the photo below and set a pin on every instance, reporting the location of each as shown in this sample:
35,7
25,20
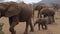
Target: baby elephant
42,22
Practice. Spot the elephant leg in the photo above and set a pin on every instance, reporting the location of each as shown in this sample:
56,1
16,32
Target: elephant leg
33,13
13,21
45,27
53,20
42,26
31,26
26,29
11,29
28,22
35,23
38,14
10,21
38,26
49,20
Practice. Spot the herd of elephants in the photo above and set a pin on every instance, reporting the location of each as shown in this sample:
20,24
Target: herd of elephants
22,12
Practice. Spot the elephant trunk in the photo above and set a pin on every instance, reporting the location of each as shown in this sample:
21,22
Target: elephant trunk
0,14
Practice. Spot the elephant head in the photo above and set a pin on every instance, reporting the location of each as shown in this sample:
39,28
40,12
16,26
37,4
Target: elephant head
39,7
3,7
9,9
12,10
48,12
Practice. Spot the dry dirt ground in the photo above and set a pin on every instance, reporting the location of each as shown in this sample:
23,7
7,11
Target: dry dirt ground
52,29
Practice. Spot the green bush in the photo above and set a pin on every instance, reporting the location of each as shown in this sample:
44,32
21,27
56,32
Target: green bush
1,25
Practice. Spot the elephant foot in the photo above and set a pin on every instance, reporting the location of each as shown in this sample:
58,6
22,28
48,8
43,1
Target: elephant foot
44,28
13,32
25,33
32,30
49,23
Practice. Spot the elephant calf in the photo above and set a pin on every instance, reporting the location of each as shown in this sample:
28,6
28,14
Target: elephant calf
48,12
42,22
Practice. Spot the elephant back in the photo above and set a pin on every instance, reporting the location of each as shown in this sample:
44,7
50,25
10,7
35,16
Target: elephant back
39,7
47,11
52,11
12,9
3,6
26,12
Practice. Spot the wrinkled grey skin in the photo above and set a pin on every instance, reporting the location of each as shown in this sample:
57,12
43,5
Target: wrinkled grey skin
48,12
41,22
17,13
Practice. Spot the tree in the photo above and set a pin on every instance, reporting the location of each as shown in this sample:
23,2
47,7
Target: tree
55,5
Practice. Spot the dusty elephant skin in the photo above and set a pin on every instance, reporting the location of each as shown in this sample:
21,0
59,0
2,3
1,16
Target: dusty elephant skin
48,12
41,22
17,13
39,7
45,11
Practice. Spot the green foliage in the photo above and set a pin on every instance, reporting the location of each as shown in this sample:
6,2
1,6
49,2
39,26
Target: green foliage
1,25
1,32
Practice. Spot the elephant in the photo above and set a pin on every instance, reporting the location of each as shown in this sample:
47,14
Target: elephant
41,22
17,12
38,8
48,12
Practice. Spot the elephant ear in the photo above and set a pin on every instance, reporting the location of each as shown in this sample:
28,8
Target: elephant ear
44,11
3,6
36,7
13,10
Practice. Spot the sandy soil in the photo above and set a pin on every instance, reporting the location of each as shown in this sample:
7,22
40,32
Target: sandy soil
52,29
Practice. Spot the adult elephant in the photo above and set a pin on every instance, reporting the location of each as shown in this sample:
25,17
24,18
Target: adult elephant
38,8
48,12
17,13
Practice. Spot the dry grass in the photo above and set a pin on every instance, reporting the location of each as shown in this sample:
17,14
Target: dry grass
52,29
